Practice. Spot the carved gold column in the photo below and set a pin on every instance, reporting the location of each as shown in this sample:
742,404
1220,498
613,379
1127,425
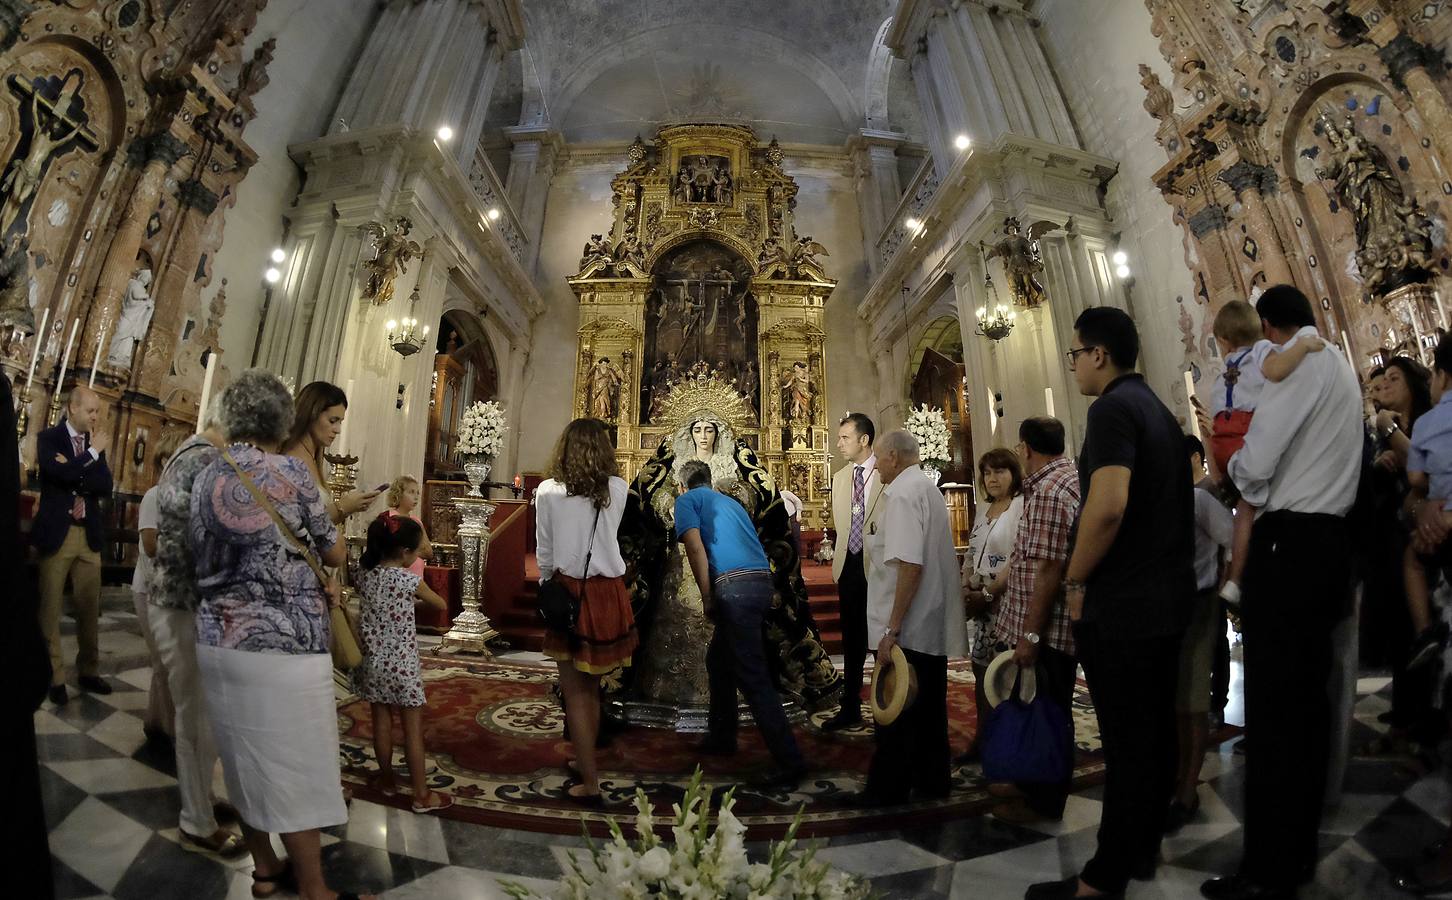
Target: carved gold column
1248,181
198,203
159,152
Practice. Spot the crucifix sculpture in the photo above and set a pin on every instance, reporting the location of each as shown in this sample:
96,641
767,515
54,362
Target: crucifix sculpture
57,124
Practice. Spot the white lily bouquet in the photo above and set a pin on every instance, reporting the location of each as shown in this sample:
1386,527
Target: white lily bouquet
926,423
700,865
481,430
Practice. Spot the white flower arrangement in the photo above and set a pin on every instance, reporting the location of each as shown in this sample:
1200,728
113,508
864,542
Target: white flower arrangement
699,865
926,423
481,430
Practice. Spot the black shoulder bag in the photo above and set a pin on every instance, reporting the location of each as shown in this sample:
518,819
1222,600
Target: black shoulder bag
559,608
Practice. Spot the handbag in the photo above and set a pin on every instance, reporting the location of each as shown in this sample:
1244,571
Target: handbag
1027,743
558,606
344,647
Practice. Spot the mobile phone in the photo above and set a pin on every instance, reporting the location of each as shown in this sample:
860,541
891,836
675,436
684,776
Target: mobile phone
381,488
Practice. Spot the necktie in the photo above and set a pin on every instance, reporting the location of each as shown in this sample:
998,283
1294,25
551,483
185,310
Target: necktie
854,537
78,506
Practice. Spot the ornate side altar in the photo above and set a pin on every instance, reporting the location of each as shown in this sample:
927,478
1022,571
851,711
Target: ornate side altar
703,272
703,305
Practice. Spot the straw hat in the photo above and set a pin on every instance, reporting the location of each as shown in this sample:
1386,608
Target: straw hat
998,680
894,687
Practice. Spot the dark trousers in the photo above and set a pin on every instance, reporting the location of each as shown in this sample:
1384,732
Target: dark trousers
1132,683
852,593
736,658
1220,673
912,753
1297,589
1056,676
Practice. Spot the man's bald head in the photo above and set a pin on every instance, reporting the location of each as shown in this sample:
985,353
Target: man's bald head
83,410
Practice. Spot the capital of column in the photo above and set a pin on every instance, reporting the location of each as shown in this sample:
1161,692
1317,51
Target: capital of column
1247,176
192,193
1211,218
1404,53
161,147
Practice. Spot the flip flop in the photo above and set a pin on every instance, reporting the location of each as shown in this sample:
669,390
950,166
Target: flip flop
421,809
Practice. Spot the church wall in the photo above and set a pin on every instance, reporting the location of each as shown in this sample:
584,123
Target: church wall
1095,48
295,106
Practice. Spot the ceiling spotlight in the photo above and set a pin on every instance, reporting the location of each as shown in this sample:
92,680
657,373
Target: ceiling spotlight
961,142
1122,271
1120,257
278,256
912,224
271,275
493,214
445,133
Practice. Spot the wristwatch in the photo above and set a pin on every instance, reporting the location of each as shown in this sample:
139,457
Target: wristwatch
1032,637
891,632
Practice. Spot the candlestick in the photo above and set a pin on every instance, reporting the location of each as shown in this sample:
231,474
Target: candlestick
206,391
39,343
1049,401
95,360
66,357
1190,398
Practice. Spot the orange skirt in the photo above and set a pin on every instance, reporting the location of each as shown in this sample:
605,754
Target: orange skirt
605,635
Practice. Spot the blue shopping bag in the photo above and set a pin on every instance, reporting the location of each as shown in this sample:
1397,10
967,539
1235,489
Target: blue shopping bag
1027,743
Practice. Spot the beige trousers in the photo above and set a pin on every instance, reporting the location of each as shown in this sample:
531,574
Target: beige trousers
82,565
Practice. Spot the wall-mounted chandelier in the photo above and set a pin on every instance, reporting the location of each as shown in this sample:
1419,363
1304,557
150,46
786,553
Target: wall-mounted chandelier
404,335
994,324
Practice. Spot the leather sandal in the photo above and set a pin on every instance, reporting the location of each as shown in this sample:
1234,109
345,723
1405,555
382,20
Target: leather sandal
229,847
283,880
421,808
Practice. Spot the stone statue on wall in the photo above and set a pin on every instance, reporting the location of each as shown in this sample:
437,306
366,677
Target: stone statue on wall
797,393
15,309
136,309
1158,100
1021,259
392,253
1393,237
605,382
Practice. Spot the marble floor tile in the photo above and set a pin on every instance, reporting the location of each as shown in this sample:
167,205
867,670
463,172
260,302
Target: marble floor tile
139,678
964,838
127,700
1079,813
1371,684
1353,811
120,731
64,747
48,723
928,884
1433,795
98,843
884,858
458,883
185,874
109,776
1009,873
396,830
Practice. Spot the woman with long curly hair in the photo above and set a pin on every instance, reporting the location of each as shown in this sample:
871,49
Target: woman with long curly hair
577,514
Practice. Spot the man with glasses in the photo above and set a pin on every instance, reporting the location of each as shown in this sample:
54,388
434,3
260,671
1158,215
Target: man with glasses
1128,587
1032,621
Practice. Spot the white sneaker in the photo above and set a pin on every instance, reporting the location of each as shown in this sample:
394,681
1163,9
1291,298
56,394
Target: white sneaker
1230,593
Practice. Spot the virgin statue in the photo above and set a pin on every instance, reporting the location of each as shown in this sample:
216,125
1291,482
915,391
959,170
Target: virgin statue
669,686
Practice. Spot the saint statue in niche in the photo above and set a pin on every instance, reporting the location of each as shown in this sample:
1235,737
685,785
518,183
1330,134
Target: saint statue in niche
605,382
704,179
15,283
797,392
136,310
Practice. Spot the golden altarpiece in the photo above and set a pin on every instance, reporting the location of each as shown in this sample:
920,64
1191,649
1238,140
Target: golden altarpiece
703,283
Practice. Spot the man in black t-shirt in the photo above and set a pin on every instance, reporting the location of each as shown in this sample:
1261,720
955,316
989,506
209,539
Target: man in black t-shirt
1128,587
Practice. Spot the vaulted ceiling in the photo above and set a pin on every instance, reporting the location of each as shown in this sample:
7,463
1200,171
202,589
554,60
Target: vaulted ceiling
605,70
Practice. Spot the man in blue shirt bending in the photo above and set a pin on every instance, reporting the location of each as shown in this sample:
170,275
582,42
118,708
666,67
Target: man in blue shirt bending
734,576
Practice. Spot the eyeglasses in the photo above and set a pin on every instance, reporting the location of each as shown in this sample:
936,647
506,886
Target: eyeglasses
1074,353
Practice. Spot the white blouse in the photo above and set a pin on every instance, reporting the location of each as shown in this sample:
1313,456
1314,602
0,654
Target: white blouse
991,543
563,536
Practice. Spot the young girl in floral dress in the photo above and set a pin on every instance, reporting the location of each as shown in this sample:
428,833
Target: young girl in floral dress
389,677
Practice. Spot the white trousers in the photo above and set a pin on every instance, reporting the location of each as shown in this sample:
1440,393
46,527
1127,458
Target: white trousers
159,711
174,633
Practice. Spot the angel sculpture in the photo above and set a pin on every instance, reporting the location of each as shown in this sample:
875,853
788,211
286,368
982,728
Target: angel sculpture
1021,259
388,262
803,258
597,254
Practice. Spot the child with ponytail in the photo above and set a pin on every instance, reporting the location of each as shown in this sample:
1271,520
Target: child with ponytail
389,677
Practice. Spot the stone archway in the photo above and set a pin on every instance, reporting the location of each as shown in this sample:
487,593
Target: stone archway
937,376
465,370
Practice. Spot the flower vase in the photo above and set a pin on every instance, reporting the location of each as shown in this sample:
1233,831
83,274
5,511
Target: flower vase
933,473
476,469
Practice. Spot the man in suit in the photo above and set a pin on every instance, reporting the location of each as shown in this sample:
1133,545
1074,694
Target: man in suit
67,535
855,491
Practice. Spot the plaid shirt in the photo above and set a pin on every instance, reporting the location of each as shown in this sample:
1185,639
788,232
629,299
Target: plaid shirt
1051,501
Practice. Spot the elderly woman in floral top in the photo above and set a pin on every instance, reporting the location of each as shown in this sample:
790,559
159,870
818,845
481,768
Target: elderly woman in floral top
262,636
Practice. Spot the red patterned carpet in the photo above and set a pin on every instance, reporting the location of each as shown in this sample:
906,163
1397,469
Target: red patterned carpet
494,739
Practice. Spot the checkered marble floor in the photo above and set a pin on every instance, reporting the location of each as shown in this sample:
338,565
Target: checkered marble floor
111,806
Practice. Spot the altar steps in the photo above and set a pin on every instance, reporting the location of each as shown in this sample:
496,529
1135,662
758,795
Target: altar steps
520,624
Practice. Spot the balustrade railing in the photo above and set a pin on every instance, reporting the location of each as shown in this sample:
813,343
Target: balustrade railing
915,199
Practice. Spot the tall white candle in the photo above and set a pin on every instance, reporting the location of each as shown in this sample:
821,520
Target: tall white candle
66,358
992,414
39,344
1189,397
206,391
1049,401
1346,347
347,420
96,360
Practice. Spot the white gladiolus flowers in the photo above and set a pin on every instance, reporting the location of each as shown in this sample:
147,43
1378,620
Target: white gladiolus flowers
481,430
702,864
926,423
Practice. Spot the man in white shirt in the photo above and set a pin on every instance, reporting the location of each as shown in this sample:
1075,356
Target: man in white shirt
1300,467
913,601
856,489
